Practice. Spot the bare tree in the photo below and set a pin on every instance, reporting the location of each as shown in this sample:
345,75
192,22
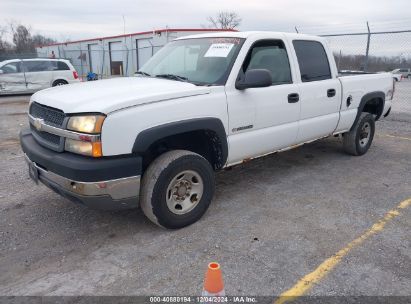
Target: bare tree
225,20
40,40
22,38
16,41
5,46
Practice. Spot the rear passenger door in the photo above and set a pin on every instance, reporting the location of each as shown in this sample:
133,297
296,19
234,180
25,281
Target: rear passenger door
39,74
320,91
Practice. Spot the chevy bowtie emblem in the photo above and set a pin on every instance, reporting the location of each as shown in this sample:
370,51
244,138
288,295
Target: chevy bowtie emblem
37,123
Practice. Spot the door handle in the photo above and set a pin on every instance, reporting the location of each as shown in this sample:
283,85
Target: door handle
293,98
331,93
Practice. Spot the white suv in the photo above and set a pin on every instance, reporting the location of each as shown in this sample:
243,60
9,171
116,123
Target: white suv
405,73
31,75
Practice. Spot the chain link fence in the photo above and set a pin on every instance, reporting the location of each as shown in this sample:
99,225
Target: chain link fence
378,52
12,55
106,63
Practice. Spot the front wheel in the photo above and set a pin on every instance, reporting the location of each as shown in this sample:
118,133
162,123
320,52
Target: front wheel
358,140
177,189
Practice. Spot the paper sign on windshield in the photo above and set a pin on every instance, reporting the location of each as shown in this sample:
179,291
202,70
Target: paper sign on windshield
219,50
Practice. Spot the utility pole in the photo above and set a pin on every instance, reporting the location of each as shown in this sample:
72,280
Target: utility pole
368,48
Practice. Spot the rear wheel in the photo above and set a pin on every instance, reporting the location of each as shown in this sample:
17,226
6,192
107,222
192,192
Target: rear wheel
358,140
177,189
59,82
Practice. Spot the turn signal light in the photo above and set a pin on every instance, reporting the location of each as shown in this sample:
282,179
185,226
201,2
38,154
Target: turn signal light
93,149
97,149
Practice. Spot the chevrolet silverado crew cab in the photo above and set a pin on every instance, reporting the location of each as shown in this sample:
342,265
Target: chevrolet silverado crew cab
200,104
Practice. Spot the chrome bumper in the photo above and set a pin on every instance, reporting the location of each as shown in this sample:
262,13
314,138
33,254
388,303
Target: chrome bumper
122,193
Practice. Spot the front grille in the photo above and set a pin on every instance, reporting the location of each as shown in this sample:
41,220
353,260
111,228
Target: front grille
51,116
48,137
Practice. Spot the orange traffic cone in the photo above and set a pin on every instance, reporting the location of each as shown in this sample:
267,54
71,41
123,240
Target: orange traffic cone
213,281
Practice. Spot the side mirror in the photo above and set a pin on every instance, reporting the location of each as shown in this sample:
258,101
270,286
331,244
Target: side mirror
256,78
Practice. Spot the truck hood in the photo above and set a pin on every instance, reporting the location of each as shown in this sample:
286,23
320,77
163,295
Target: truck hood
109,95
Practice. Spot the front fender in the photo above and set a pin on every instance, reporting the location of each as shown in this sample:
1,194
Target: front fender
149,136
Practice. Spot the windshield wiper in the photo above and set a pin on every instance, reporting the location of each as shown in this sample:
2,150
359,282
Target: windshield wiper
172,77
142,73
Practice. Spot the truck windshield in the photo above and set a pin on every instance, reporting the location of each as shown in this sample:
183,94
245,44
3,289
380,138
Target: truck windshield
202,61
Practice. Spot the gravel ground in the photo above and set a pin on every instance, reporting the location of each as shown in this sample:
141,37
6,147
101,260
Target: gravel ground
273,220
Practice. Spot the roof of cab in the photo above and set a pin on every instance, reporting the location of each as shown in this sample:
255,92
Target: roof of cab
248,34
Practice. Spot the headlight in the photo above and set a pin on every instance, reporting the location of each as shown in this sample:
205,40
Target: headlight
90,124
86,124
84,147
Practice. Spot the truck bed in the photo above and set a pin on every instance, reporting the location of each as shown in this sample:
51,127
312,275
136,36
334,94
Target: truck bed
355,88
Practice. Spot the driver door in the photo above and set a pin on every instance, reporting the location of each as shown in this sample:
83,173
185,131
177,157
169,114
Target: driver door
12,79
263,120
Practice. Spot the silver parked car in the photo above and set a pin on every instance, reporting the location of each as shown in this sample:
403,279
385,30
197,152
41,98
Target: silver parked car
31,75
405,73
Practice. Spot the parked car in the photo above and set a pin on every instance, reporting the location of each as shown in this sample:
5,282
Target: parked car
397,77
201,104
406,73
30,75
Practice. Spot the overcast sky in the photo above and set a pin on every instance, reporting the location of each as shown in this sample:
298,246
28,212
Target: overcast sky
79,19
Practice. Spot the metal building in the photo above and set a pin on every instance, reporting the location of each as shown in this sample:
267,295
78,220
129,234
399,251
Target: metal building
120,55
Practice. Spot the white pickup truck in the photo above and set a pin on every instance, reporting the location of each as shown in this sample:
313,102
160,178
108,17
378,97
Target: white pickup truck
201,104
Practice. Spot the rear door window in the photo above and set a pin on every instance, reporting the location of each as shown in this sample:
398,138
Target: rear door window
38,66
62,66
59,66
313,60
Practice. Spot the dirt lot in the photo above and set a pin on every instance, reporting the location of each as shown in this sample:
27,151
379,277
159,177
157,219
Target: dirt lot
273,221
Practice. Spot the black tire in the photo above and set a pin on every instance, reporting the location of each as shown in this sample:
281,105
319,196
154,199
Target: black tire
354,141
59,82
159,177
